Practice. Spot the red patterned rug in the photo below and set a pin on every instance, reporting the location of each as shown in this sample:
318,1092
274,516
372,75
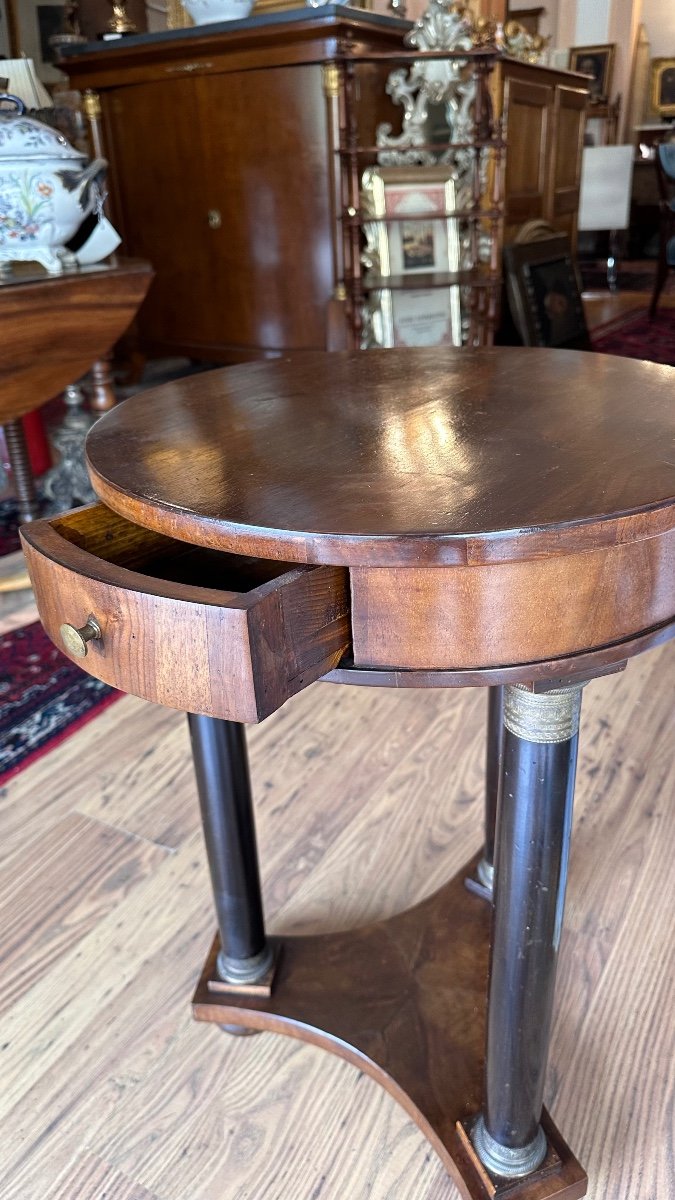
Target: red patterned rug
635,336
43,698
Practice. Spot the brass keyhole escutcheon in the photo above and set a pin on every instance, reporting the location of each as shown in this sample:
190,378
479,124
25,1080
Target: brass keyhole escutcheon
214,218
76,640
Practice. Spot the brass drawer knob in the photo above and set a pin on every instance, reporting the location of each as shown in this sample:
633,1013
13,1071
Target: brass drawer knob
75,640
214,218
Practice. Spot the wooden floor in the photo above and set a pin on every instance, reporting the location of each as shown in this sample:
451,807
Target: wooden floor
367,800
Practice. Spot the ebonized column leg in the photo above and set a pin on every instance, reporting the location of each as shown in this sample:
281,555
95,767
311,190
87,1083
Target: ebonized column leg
29,507
493,777
221,767
532,846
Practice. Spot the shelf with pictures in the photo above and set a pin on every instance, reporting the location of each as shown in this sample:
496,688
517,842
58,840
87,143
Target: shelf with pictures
422,209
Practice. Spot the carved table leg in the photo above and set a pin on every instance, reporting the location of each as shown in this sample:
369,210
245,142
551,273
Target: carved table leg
29,506
221,766
534,824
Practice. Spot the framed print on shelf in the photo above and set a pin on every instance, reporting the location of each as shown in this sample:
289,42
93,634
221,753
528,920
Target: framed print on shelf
598,62
662,86
414,234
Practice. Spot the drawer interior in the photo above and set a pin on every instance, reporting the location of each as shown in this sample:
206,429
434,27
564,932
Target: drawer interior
105,535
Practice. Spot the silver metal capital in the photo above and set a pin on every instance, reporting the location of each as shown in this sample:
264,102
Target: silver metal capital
507,1161
244,970
542,716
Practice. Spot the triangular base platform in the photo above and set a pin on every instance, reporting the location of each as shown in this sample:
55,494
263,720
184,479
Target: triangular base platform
404,1000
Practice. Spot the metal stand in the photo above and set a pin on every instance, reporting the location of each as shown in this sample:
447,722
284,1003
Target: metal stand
532,846
67,483
221,766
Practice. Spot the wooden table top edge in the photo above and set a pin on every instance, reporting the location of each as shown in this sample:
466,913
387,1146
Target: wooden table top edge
387,550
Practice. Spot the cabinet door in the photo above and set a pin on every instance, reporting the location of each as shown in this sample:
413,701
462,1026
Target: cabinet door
569,121
157,177
221,181
527,108
266,155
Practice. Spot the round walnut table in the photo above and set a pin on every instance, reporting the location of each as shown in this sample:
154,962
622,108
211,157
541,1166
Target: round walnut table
499,518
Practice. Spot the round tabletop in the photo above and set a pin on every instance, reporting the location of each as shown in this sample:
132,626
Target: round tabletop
399,457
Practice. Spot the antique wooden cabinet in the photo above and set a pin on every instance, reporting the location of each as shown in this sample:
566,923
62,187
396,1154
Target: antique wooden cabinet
545,115
225,174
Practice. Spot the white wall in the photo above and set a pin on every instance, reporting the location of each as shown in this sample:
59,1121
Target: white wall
592,22
658,16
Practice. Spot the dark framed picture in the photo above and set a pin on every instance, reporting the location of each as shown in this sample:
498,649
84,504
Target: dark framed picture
662,88
598,62
5,34
543,294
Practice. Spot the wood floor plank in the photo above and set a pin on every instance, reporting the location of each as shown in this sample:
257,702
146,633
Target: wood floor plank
90,1179
52,895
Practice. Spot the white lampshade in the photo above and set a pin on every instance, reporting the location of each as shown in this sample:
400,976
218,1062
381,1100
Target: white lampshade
24,83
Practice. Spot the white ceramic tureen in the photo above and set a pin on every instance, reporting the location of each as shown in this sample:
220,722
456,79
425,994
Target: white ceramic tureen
46,190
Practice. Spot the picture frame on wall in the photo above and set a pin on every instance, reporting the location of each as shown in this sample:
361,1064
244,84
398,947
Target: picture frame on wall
598,62
34,22
662,86
412,235
5,34
543,294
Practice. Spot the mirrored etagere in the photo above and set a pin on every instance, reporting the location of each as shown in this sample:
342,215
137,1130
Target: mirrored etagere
422,210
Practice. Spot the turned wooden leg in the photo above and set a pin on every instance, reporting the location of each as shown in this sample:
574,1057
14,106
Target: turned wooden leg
221,766
29,507
532,845
103,396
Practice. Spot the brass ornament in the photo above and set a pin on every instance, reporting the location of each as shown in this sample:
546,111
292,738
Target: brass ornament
121,22
331,80
544,717
91,105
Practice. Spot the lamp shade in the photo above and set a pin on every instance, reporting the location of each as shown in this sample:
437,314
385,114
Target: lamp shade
22,81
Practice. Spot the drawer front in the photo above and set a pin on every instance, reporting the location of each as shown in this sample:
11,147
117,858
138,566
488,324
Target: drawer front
169,633
504,614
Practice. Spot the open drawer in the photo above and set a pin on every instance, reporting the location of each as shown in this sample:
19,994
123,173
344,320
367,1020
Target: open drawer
191,628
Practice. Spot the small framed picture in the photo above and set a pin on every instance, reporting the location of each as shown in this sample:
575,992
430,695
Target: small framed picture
413,317
662,90
543,293
598,62
414,235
